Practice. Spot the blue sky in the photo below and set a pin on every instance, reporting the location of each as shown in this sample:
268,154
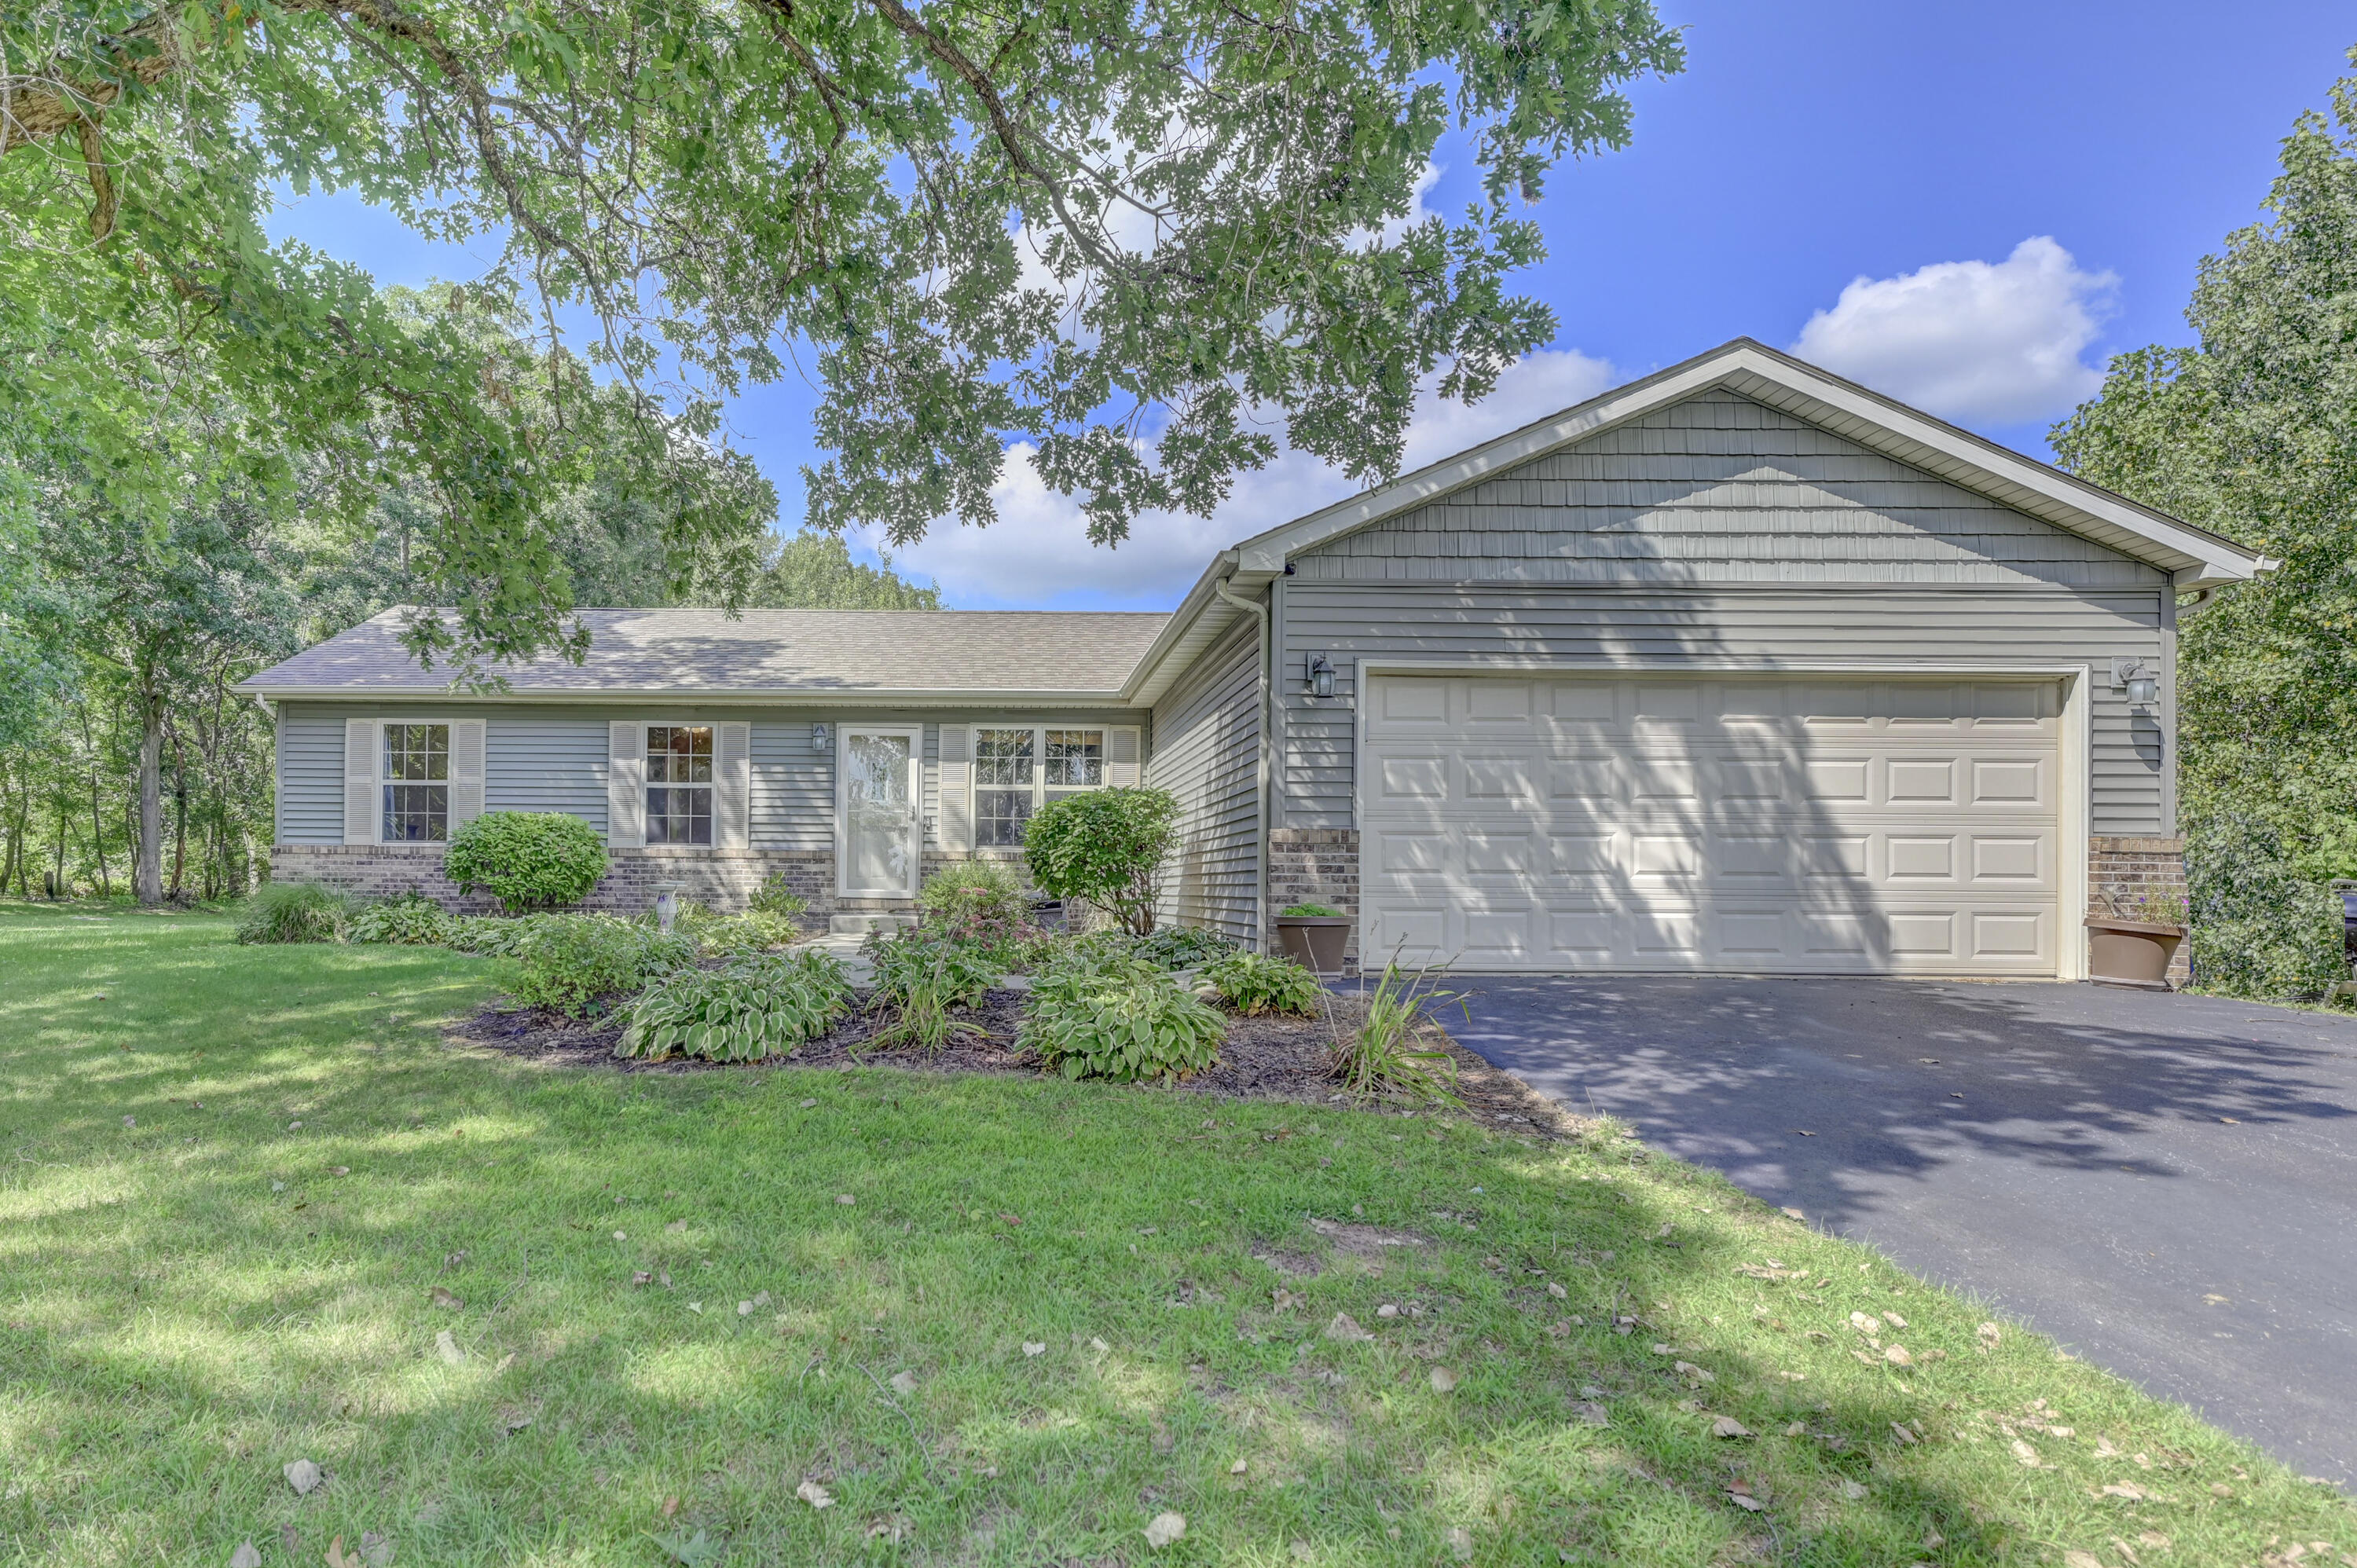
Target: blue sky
1966,205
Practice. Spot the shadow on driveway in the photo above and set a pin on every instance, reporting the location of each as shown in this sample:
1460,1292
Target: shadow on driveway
2166,1184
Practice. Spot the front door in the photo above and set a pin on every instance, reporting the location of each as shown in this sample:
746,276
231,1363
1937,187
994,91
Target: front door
878,848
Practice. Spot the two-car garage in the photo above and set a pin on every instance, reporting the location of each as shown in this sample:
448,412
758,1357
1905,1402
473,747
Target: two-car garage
1801,823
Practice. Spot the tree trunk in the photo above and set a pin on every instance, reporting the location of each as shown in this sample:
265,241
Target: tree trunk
148,877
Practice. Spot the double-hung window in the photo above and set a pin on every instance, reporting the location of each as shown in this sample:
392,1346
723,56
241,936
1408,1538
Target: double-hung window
679,784
416,784
1019,768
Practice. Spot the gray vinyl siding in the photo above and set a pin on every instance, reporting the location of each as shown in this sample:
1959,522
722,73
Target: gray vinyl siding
1207,752
310,778
1602,628
551,758
552,764
1720,491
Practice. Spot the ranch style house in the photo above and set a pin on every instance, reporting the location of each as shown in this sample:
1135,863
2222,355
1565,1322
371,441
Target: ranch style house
1738,669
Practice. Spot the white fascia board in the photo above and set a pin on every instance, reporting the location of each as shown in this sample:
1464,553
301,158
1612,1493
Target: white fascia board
2194,557
778,697
1201,616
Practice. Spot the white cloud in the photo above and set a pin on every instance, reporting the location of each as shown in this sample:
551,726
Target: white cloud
1037,553
1992,342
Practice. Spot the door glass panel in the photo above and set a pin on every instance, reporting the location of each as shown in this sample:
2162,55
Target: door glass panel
880,818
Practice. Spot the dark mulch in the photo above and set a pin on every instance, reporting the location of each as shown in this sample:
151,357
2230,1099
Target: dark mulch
1273,1058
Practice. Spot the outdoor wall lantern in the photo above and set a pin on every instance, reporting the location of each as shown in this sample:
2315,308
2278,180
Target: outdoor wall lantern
1321,676
2137,678
819,734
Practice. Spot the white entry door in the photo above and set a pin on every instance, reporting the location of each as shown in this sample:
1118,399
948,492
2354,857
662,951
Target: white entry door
1796,826
878,843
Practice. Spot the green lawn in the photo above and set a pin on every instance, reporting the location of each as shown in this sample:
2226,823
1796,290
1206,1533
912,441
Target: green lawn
239,1180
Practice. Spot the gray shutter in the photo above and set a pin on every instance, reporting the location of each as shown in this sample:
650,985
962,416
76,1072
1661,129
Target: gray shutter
466,743
626,784
732,784
1121,758
956,829
362,805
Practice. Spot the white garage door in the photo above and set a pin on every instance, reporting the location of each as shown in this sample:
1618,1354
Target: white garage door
1736,825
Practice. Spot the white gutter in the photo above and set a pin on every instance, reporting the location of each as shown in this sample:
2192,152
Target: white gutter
783,696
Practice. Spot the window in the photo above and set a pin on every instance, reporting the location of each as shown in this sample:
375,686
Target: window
679,784
1003,784
416,783
1016,771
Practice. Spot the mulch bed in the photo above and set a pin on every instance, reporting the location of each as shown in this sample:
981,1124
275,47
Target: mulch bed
1272,1059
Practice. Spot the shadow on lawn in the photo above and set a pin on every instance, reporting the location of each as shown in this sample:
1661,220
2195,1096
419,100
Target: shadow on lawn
172,1349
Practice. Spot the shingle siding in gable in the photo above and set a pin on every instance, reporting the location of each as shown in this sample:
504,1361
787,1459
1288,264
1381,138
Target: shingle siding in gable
1720,491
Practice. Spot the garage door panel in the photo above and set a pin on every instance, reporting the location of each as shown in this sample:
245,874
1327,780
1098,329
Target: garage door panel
1815,826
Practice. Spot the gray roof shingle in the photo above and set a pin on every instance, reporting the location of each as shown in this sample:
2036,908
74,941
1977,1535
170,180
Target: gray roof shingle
948,653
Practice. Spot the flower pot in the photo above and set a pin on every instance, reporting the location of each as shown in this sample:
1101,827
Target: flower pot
2132,952
1314,941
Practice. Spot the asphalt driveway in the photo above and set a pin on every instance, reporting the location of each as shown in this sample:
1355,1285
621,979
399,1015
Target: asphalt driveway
2167,1184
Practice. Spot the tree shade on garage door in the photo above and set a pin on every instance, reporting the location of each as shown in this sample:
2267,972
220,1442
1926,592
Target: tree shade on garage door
1731,824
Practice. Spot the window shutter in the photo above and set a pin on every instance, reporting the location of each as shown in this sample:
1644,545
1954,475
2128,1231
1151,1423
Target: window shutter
625,785
363,804
1121,758
732,784
466,743
956,822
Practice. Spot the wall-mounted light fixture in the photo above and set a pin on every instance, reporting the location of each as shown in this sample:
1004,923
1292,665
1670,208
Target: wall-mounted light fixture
1321,676
821,733
2139,679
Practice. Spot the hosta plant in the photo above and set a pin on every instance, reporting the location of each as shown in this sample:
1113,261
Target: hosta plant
411,920
1254,985
748,1010
1122,1019
492,936
920,978
1396,1047
1183,946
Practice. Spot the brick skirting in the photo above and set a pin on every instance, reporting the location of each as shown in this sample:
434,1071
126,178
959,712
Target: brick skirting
2128,867
723,879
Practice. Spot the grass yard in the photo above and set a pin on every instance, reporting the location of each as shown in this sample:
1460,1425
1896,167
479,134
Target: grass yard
256,1211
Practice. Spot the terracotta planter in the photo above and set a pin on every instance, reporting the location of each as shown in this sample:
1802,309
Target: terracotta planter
1314,941
2132,952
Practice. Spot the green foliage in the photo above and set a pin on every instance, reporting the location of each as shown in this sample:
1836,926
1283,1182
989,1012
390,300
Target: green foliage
1393,1050
1118,1018
749,1010
1106,846
735,936
982,904
526,860
920,978
1310,912
1254,985
777,897
2252,433
1182,946
493,936
294,912
411,920
574,962
2259,928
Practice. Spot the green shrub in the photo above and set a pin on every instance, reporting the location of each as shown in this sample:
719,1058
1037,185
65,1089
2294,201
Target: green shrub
752,1008
776,897
1254,985
733,936
1393,1050
1106,846
572,962
1310,912
492,936
920,977
1183,946
294,912
982,904
1121,1019
527,860
2259,928
411,920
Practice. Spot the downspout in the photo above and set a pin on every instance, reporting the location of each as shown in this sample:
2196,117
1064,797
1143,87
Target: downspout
1260,762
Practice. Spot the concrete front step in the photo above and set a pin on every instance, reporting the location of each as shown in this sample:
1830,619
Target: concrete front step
860,925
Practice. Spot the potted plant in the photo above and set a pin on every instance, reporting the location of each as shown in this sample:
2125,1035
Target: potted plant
2135,937
1314,936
